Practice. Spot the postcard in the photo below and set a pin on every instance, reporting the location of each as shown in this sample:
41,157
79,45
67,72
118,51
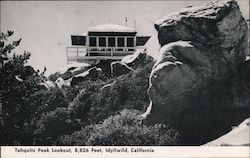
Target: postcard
125,78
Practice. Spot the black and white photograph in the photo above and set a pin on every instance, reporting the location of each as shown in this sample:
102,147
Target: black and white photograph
154,73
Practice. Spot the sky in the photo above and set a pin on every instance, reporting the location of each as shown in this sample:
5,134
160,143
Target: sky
45,26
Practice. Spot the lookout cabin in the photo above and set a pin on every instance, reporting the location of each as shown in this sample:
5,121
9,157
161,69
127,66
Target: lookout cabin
108,41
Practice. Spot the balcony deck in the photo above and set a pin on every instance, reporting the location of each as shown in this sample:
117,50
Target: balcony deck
83,53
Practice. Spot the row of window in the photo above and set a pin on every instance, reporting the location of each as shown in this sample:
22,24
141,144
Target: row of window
111,42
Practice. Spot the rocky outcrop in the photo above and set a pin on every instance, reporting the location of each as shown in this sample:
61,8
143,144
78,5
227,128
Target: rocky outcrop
215,23
60,82
239,136
46,85
137,60
119,68
109,68
134,62
105,66
196,84
92,73
70,70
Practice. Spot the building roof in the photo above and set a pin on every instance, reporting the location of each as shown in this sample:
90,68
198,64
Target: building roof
142,40
109,27
84,34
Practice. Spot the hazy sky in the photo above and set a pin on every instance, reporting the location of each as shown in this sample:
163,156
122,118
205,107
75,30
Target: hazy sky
45,26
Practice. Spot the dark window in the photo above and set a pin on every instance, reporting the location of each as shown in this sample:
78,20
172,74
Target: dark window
130,42
121,42
92,41
111,41
78,40
102,42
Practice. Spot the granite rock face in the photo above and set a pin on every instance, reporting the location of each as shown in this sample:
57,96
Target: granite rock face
119,68
198,83
239,136
134,62
137,60
92,73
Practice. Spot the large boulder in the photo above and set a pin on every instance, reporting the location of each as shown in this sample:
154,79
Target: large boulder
119,68
105,66
239,136
138,59
216,23
193,84
92,73
69,70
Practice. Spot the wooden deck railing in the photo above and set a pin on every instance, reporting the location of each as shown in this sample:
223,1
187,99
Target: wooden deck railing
77,53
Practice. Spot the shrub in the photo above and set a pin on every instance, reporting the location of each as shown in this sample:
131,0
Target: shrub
51,125
47,100
124,128
100,99
71,92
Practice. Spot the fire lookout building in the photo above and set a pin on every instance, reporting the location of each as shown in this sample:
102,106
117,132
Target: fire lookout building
108,41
